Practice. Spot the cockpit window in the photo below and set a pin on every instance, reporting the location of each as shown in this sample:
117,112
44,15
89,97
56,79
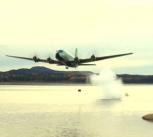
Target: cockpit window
60,51
65,55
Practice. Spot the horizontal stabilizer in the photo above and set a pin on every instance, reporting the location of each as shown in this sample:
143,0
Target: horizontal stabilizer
87,64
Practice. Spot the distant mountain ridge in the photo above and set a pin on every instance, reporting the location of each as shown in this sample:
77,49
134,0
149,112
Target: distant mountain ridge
37,69
45,75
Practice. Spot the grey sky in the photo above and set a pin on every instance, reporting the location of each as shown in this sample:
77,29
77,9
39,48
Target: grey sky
103,27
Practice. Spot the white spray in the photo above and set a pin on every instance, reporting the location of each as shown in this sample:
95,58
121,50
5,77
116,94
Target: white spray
108,84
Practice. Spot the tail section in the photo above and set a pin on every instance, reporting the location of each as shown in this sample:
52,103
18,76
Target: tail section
76,53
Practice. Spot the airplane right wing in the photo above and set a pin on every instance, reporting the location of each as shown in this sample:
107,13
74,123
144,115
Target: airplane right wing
36,59
93,58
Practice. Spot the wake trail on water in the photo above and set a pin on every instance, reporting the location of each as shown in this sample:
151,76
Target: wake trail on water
108,84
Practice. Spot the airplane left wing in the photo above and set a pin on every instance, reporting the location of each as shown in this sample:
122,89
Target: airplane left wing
36,59
93,58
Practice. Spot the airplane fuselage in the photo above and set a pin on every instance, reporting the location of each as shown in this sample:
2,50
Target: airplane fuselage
65,59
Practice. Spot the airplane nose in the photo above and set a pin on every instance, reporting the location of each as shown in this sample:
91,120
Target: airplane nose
57,55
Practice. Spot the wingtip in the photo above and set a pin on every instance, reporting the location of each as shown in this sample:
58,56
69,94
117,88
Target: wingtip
130,53
7,55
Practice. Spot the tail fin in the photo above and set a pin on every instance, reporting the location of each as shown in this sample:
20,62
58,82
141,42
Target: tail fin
76,53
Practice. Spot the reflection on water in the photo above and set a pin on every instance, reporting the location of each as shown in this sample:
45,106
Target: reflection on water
50,111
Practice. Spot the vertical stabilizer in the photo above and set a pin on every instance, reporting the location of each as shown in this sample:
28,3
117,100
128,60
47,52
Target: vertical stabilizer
76,53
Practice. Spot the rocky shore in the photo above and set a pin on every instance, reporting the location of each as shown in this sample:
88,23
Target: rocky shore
148,117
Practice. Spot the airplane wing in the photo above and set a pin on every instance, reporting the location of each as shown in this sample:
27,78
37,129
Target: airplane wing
36,59
93,58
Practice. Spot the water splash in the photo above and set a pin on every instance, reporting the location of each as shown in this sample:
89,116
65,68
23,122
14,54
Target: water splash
108,84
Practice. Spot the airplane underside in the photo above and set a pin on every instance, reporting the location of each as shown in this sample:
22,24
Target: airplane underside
65,59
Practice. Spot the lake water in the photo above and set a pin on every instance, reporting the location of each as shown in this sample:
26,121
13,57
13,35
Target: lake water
62,111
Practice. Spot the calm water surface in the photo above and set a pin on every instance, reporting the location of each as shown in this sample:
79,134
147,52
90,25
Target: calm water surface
62,111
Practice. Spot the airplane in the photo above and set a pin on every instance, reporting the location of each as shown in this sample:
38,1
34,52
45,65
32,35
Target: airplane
65,59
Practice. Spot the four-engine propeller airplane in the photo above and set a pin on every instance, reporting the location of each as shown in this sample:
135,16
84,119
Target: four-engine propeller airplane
65,59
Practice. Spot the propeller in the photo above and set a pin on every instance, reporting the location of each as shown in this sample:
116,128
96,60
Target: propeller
35,58
50,60
93,57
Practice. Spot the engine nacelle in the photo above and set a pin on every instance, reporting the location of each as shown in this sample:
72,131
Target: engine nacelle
76,59
93,58
35,59
49,60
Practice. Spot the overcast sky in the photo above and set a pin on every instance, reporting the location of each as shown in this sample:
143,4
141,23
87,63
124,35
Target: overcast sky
102,27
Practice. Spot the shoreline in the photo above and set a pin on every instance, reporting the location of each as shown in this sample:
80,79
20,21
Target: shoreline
60,83
43,83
